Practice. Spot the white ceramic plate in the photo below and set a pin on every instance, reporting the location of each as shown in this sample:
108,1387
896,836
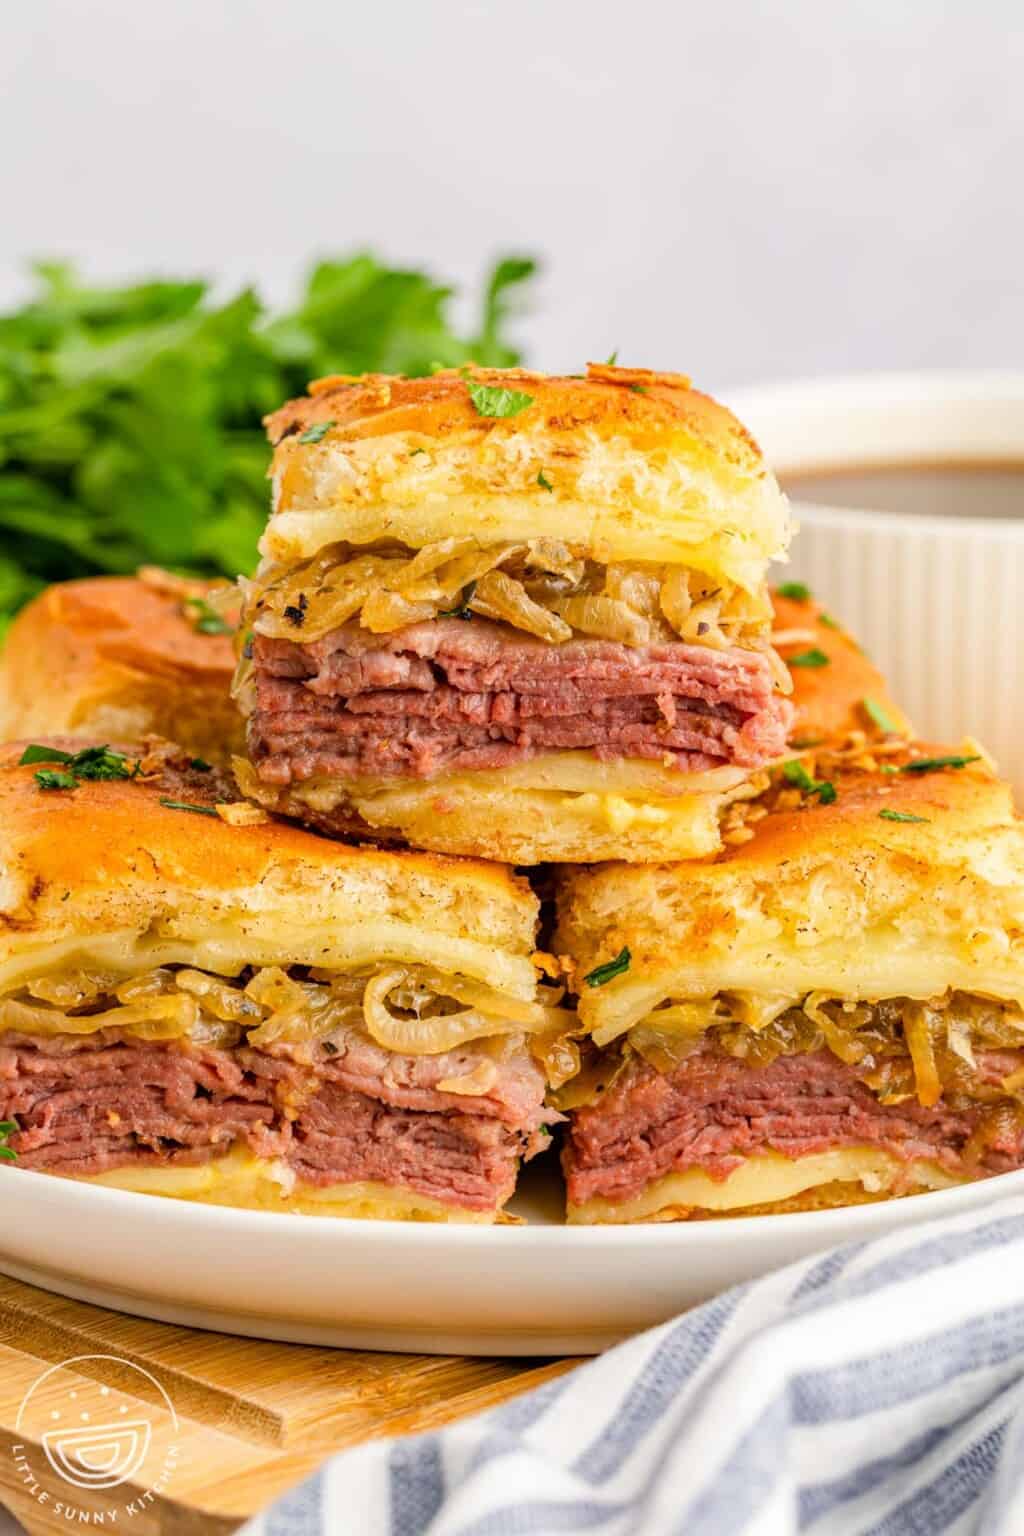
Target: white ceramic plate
540,1289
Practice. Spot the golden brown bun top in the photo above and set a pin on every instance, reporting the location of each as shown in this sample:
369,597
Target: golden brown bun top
948,803
140,623
74,860
904,876
830,700
121,656
623,463
651,409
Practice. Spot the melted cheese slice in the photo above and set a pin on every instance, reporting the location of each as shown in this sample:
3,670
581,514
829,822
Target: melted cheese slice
253,1184
764,1180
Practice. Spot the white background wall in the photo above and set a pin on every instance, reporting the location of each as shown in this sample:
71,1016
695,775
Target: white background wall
733,188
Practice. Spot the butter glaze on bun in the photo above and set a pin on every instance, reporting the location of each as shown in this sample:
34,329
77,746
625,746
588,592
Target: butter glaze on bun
908,884
119,657
107,866
641,467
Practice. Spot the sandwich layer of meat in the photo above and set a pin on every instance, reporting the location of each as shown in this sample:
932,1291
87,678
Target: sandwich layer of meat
455,695
89,1105
714,1111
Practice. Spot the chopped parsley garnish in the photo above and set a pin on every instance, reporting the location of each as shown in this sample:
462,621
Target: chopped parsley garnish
795,773
90,763
608,972
795,590
492,402
200,764
318,430
933,764
204,619
543,481
888,815
462,609
414,451
639,389
812,658
877,713
828,621
612,359
7,1127
887,768
51,778
187,805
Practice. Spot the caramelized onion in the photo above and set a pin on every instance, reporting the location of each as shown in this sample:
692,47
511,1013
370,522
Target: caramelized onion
498,596
605,617
917,1031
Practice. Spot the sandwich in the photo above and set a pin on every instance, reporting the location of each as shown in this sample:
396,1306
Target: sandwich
838,693
514,616
830,1011
122,657
199,1002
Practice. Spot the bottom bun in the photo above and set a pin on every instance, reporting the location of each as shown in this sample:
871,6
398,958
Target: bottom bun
564,809
256,1184
771,1183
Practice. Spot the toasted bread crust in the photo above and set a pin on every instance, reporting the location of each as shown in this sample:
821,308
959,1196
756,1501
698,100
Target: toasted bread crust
625,463
848,897
108,857
117,655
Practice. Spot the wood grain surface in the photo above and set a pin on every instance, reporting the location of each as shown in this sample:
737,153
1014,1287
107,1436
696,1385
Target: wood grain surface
252,1417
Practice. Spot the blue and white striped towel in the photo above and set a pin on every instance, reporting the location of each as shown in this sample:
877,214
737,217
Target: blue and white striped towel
878,1388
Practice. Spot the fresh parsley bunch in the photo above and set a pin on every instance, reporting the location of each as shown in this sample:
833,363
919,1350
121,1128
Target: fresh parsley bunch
130,416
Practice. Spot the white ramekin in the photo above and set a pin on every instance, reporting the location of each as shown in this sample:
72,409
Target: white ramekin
938,602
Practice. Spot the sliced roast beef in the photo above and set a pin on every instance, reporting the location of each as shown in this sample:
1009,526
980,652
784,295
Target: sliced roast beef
85,1105
714,1110
350,1059
461,1159
455,695
348,1111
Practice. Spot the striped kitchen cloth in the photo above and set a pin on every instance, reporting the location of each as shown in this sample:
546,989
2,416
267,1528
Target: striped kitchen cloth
878,1388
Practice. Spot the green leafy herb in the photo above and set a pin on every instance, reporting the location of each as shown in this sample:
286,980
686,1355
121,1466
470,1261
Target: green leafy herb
53,778
130,416
812,658
543,481
316,433
933,764
887,768
462,609
881,718
639,389
495,402
794,772
187,805
414,451
612,359
89,763
795,590
37,754
204,619
888,815
200,764
7,1128
608,972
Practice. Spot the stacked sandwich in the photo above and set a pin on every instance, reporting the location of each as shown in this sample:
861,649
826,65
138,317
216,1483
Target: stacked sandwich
504,619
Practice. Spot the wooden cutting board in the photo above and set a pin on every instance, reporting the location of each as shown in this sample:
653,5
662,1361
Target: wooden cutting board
231,1422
